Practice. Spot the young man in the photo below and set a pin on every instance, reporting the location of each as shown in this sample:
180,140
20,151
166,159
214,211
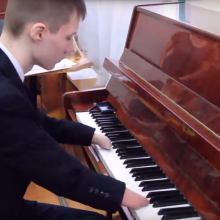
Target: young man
40,32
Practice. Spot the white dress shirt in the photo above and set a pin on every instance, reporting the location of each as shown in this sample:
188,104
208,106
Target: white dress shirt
15,63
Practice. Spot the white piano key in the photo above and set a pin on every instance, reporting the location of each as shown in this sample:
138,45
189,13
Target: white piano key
117,170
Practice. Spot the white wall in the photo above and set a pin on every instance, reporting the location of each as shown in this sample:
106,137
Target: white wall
103,33
209,4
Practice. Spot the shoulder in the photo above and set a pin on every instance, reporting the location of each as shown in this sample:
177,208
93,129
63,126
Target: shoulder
10,97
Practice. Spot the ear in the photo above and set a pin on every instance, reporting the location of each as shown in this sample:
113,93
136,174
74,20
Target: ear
37,32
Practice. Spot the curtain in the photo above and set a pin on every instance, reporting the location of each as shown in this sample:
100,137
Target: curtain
104,31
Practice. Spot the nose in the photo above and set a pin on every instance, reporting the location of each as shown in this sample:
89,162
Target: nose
71,48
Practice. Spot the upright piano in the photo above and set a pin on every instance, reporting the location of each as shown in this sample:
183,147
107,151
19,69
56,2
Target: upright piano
165,131
3,5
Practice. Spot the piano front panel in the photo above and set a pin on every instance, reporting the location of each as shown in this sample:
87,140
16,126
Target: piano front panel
191,131
179,50
195,105
83,100
149,129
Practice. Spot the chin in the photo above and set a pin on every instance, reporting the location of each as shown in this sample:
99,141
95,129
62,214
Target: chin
49,67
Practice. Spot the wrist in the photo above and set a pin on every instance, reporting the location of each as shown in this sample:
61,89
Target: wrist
95,139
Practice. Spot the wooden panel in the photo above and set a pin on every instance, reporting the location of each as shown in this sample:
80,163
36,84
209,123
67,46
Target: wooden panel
37,193
195,105
171,147
3,5
54,83
83,100
187,54
51,92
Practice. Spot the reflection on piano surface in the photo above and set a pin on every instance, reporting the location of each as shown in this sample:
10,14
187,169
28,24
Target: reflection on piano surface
165,132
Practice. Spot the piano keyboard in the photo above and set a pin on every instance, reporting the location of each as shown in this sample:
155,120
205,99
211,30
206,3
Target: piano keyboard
127,161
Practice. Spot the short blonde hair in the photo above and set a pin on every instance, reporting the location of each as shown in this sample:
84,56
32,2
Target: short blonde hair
53,13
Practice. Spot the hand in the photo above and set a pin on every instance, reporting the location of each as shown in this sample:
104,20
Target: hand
102,141
134,200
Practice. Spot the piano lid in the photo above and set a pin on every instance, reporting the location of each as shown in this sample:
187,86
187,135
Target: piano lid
168,48
194,16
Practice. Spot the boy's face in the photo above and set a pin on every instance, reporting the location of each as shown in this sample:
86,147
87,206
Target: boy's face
50,48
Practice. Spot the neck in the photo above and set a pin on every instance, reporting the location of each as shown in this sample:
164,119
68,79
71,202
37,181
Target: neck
19,49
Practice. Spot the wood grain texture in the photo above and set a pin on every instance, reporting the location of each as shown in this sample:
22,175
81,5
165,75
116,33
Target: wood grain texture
164,89
37,193
55,83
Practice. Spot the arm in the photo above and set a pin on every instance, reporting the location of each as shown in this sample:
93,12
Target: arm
70,132
29,150
67,132
130,198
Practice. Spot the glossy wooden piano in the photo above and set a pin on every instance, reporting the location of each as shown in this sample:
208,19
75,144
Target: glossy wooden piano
3,5
165,131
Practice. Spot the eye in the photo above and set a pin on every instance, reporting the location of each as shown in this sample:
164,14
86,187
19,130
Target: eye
69,38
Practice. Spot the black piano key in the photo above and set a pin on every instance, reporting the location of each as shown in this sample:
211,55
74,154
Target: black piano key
130,149
113,139
107,124
133,155
99,113
104,116
167,197
177,210
153,182
169,202
180,216
120,134
139,162
150,176
112,127
127,144
125,141
141,170
111,119
134,161
116,129
106,120
163,193
158,187
124,146
135,172
123,135
94,111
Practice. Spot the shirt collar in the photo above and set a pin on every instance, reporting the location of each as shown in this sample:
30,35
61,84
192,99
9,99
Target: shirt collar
15,63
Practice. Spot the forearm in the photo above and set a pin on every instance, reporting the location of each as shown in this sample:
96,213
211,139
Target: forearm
68,132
